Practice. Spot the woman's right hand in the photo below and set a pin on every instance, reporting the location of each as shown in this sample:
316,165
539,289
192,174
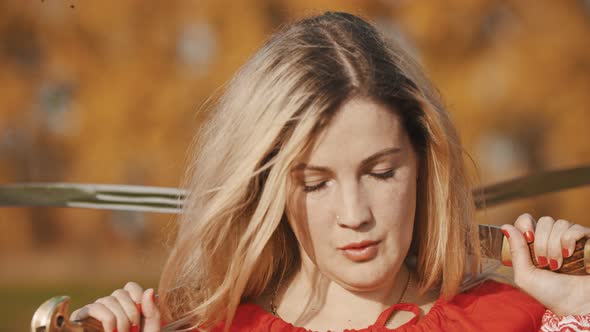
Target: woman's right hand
123,309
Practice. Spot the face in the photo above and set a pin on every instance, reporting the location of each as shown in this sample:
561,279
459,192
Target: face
354,195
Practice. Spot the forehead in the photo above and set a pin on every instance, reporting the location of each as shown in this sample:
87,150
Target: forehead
359,128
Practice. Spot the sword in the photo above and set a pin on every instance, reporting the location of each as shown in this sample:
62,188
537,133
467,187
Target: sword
170,200
52,315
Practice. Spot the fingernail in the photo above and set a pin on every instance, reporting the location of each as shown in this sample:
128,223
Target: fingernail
565,252
115,330
134,328
138,305
506,233
507,263
553,264
542,260
154,296
529,236
162,322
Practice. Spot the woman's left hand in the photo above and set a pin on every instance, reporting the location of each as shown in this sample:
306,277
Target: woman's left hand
563,294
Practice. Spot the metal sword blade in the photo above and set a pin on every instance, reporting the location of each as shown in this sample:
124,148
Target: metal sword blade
491,238
96,196
170,200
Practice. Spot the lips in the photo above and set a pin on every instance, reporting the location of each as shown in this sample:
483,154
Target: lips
359,245
360,251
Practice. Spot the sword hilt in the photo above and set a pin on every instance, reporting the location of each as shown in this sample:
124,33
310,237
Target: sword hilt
52,316
578,263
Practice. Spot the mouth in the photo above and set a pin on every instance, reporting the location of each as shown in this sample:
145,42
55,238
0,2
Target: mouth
359,245
360,251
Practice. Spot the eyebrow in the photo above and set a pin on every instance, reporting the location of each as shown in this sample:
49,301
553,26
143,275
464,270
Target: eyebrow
366,161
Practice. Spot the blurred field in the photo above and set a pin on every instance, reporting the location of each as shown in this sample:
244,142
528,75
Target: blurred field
108,92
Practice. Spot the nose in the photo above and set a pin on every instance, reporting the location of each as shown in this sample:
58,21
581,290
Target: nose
353,207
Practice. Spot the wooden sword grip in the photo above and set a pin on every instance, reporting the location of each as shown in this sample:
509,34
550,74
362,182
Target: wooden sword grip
578,263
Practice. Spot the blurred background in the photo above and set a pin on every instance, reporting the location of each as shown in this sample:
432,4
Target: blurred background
107,92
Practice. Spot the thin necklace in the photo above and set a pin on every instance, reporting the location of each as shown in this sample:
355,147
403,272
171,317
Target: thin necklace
273,307
401,297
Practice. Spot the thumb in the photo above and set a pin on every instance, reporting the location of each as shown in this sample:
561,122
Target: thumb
151,312
519,250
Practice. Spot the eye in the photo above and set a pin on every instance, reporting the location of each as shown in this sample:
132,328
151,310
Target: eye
315,187
383,175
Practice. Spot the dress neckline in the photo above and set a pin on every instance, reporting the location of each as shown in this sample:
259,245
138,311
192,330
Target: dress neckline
381,319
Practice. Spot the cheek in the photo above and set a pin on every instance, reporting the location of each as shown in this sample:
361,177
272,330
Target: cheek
394,205
318,219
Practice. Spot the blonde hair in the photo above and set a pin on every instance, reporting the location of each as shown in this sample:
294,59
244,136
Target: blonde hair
233,240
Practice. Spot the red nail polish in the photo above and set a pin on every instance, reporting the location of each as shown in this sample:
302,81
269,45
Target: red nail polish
507,263
162,322
138,305
553,264
506,233
154,297
115,330
542,260
565,253
529,236
134,328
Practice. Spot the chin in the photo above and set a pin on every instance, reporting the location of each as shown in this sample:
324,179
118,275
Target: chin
363,278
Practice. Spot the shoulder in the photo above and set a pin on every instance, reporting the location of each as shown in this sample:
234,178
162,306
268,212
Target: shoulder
493,291
494,304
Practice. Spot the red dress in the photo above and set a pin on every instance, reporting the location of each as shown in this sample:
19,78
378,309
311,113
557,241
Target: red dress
491,306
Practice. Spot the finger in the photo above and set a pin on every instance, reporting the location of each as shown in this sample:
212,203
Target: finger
569,238
98,311
115,307
519,250
542,232
76,314
150,311
526,224
136,292
130,307
554,251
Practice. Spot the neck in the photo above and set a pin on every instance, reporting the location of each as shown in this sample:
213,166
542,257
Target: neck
310,299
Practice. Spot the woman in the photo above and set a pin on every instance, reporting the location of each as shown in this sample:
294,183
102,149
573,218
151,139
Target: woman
328,191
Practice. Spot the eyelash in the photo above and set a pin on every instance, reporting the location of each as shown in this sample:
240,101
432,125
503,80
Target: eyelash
379,176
